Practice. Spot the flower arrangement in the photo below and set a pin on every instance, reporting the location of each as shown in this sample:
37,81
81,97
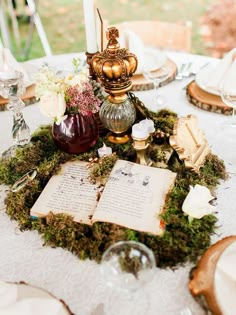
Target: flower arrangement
62,95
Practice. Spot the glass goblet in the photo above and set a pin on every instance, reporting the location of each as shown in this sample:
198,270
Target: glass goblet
228,96
126,267
11,87
156,78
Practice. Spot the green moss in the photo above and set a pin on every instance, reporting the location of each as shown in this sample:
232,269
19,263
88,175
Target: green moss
101,169
182,241
157,154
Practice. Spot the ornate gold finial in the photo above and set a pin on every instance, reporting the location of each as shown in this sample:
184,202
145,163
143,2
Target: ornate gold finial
115,66
112,34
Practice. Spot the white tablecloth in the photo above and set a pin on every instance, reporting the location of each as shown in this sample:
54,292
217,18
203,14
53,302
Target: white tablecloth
79,283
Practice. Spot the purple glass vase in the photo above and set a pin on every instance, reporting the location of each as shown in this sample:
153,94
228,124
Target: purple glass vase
76,134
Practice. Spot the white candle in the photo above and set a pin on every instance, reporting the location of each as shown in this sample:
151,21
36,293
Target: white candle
90,26
104,150
149,124
139,131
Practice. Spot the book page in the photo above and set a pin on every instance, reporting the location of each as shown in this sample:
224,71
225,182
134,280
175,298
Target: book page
68,192
134,196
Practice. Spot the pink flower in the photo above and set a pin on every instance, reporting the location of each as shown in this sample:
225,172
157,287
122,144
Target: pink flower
82,101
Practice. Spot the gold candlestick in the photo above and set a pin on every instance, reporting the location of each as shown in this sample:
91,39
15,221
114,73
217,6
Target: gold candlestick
140,146
114,68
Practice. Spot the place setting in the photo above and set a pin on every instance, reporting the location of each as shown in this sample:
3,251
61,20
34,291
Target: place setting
154,68
213,87
161,75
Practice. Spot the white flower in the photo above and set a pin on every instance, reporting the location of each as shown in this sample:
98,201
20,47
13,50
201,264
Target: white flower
53,105
77,79
47,81
196,204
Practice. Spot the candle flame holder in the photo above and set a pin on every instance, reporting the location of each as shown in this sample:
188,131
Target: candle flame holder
12,88
114,68
140,146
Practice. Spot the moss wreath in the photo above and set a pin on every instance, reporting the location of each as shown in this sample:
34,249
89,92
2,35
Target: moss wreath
182,240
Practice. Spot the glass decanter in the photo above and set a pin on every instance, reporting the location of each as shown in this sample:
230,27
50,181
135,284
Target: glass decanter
12,87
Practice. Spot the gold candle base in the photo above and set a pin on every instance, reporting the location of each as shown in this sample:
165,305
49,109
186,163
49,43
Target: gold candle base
140,145
117,117
118,138
114,68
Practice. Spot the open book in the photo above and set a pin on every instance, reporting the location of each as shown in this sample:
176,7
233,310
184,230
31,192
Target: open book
133,196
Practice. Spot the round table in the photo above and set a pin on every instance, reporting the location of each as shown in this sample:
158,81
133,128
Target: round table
79,283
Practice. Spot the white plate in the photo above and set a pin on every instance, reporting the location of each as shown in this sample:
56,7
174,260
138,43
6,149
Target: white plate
154,60
19,292
201,79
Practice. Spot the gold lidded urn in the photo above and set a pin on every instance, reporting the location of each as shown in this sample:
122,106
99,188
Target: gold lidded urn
114,68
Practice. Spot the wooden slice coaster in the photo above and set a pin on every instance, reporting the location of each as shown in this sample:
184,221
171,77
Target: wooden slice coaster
28,98
140,83
202,282
205,100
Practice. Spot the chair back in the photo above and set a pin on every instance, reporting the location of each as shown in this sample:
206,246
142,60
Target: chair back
160,34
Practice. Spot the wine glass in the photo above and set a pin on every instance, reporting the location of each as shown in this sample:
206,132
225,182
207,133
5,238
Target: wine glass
126,267
156,78
11,87
228,96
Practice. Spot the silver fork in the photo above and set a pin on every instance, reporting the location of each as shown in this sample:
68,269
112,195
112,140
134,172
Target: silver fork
181,71
187,72
179,75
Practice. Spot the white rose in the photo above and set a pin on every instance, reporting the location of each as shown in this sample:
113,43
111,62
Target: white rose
196,204
53,105
76,79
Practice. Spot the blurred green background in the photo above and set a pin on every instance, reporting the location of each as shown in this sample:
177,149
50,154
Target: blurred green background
64,24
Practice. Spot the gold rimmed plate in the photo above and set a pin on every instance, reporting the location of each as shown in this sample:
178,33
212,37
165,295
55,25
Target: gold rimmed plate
21,296
214,277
